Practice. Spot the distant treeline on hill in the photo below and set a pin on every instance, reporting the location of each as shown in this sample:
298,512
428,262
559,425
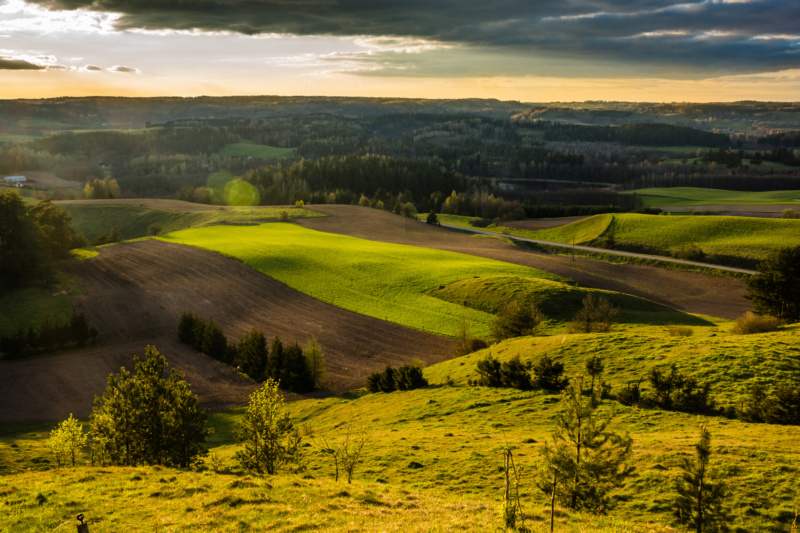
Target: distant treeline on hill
634,134
76,333
296,370
787,139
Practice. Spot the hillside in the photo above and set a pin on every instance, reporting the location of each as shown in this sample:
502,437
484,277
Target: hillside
434,454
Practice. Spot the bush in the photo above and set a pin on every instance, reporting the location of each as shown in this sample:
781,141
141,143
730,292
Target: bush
630,395
679,331
689,252
674,391
517,319
752,323
154,229
513,373
548,374
405,377
790,213
596,315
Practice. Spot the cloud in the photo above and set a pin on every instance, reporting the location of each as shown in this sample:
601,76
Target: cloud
120,68
10,63
93,68
669,37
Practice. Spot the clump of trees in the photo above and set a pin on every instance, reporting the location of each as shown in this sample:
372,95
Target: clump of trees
671,391
32,238
546,373
149,417
517,319
101,189
406,377
596,315
76,333
108,238
775,289
779,407
296,370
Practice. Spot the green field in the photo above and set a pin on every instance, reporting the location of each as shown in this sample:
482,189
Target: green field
133,220
694,196
433,460
385,281
30,307
258,151
732,241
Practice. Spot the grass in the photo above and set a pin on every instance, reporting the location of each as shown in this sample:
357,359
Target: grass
258,151
695,196
385,281
733,241
30,307
558,301
133,220
455,434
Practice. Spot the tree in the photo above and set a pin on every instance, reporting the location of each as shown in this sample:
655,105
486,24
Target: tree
548,373
66,440
347,452
147,418
596,315
585,459
23,255
699,501
252,354
775,289
432,219
315,361
516,320
267,433
214,343
594,367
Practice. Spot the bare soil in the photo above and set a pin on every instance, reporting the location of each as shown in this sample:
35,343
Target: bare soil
686,291
47,180
135,294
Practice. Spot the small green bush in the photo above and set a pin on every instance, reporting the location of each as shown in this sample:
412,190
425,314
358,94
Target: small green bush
752,323
679,331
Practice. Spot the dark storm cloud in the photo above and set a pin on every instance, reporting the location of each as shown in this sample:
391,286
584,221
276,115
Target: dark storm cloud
664,35
9,63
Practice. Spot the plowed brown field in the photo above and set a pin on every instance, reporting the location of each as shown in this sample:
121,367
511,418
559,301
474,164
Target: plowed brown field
135,293
685,291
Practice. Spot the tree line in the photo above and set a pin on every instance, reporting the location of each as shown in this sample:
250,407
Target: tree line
295,368
50,337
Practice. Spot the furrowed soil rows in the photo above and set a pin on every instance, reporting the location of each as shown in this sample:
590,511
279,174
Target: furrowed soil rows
135,293
685,291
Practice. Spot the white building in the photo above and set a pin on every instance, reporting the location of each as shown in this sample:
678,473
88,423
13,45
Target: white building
15,181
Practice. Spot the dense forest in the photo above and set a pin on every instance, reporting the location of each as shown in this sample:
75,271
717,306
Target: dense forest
404,155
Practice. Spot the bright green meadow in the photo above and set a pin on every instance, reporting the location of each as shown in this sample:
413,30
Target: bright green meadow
385,281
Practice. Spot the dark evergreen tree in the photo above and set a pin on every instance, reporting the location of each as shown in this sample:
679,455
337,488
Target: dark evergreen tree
548,373
252,355
699,500
215,344
775,289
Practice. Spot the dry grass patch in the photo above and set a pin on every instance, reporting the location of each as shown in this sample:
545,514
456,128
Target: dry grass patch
752,323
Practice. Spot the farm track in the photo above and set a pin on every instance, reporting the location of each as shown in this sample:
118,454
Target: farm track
135,293
685,291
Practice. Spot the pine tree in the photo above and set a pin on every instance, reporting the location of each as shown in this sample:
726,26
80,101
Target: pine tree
315,361
699,501
252,355
585,461
267,434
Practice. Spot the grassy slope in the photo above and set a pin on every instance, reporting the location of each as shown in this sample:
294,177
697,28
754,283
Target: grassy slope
259,151
456,434
725,240
30,307
386,281
133,220
558,301
680,196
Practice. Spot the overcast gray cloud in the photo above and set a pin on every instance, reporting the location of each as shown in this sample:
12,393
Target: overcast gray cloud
9,63
670,38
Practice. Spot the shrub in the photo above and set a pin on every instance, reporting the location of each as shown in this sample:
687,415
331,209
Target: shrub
790,213
689,252
674,391
630,395
405,377
488,370
679,331
548,374
752,323
517,319
596,315
154,229
513,373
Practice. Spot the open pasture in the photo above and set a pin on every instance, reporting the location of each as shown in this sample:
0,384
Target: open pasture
695,196
381,280
134,218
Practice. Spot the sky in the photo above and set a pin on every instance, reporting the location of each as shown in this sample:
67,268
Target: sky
525,50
